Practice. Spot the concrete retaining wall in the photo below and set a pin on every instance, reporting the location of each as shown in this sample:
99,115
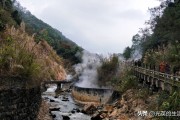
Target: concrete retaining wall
94,94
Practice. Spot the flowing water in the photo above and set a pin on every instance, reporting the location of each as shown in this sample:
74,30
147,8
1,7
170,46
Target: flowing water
68,107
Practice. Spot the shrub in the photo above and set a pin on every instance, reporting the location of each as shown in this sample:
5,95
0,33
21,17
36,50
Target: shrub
128,81
169,102
107,72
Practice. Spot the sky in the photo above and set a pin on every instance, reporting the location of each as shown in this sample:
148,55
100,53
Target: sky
99,26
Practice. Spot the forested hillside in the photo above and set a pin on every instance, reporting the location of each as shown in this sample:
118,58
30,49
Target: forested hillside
20,55
160,39
64,47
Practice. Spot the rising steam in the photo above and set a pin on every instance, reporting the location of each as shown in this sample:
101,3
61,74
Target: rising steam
87,70
137,53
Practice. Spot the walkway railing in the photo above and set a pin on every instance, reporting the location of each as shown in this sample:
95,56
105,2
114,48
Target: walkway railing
166,78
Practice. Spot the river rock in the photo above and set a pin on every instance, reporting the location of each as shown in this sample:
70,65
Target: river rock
68,90
65,98
46,98
55,96
124,108
89,109
104,115
108,108
54,109
66,117
122,102
96,117
53,115
73,111
114,113
77,110
52,100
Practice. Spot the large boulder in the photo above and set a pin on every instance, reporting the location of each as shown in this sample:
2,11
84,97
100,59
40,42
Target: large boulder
89,109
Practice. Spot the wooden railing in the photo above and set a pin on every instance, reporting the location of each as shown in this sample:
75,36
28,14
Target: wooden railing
166,78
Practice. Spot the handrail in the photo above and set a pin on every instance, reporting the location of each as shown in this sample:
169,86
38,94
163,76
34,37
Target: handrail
167,78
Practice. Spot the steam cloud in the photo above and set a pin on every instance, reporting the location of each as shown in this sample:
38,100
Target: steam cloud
137,53
87,70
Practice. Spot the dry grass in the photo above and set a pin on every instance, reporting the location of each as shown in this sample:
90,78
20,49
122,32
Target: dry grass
45,63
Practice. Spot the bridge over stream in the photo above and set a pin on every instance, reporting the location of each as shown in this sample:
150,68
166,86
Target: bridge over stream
157,80
59,83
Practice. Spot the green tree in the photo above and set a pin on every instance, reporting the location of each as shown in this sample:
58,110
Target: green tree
16,17
127,53
107,72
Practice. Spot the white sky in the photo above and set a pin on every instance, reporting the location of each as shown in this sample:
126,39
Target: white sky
99,26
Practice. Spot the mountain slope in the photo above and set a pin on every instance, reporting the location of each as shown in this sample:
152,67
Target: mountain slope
64,47
20,55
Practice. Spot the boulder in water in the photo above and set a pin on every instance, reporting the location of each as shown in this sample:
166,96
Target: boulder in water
52,100
55,96
53,115
65,98
96,117
66,117
54,109
77,110
73,111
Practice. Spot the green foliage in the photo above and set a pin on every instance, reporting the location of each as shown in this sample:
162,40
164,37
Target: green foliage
20,56
12,13
31,69
173,54
172,103
6,4
8,15
162,96
136,39
2,25
166,28
160,39
115,73
127,53
17,61
16,17
64,47
107,72
169,53
169,102
7,53
70,52
127,81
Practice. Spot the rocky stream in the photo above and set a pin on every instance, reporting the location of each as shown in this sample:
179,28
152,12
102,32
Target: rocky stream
63,106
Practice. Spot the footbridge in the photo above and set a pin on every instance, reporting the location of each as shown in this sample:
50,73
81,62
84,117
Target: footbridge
59,83
157,80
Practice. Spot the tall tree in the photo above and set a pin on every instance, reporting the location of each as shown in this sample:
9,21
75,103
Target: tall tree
127,53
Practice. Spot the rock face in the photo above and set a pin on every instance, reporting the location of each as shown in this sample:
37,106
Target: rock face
124,109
